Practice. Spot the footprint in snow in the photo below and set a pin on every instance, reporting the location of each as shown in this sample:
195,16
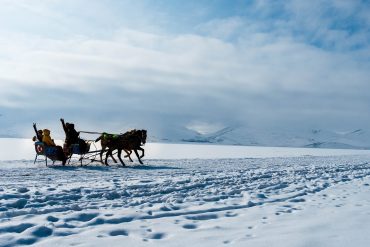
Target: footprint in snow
120,232
26,241
63,233
52,218
19,204
261,196
176,222
155,236
82,217
22,190
202,217
42,232
146,181
231,214
296,200
190,226
164,208
264,220
17,228
65,225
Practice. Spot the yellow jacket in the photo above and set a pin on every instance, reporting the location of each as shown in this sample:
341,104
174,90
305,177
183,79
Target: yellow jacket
46,138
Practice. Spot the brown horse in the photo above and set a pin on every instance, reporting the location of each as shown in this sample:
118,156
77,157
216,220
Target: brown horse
105,139
129,141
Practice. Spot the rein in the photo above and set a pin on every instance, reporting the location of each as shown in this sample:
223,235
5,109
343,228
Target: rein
90,132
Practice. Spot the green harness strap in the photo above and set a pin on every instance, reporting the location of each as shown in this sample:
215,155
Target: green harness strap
109,136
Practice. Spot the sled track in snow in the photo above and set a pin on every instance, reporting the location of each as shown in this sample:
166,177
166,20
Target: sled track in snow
77,197
171,183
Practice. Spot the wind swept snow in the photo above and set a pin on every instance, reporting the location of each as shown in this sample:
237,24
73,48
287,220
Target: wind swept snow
267,201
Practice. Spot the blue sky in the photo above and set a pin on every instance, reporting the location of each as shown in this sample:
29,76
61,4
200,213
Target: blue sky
205,64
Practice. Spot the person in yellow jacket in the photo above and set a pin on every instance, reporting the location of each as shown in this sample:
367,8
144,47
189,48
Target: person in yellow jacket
50,142
47,138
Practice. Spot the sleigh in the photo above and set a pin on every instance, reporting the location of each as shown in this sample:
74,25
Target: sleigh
49,152
131,141
84,156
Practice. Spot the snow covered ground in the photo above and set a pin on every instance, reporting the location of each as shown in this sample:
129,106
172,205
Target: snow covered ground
188,195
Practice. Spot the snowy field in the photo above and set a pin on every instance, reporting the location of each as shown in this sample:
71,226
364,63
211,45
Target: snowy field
188,195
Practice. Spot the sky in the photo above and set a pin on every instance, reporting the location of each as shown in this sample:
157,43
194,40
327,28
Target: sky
203,65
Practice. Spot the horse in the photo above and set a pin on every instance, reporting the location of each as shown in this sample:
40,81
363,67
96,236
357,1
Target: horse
129,141
105,139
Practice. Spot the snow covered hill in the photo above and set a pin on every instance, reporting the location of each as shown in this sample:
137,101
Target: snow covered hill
238,135
316,138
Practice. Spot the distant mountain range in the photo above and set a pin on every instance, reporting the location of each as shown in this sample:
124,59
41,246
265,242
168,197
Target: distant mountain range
315,138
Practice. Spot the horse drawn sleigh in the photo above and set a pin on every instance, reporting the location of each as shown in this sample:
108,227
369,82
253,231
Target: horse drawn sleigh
87,151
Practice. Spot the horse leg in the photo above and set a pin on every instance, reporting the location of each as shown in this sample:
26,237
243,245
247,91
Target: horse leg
106,156
142,150
137,155
119,156
111,155
128,154
101,154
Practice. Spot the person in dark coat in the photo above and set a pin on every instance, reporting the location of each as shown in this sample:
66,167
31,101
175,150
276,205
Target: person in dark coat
39,134
72,137
71,133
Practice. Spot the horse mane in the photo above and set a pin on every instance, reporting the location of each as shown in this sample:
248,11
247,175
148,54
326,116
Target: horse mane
135,133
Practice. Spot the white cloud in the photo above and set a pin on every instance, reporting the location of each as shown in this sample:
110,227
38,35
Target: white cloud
263,67
144,61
